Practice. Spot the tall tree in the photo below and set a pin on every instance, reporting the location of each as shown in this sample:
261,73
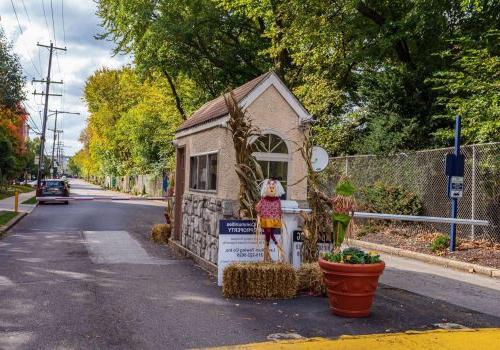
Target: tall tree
214,47
11,77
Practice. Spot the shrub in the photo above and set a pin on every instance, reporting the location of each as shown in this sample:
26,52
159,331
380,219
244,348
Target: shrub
352,256
385,198
310,279
259,280
441,242
160,233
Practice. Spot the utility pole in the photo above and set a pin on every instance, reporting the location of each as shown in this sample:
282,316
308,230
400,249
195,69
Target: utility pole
47,82
56,112
52,158
59,148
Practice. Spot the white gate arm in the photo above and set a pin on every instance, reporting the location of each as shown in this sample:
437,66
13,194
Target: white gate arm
434,219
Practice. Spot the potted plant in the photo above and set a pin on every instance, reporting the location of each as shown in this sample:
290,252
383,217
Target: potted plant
350,275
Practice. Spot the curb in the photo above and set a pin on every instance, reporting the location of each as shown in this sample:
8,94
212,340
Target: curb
436,260
204,264
463,339
12,222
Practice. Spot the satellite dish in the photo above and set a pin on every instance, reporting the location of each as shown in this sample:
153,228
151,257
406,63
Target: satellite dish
319,159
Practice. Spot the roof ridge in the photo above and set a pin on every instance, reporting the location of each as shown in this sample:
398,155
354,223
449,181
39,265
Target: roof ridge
217,107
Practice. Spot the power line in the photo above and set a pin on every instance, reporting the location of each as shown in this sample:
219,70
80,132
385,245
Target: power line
26,11
27,106
34,111
63,26
21,31
45,16
17,18
53,25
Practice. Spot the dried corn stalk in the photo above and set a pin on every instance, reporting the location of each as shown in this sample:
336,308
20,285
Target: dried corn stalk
317,224
247,168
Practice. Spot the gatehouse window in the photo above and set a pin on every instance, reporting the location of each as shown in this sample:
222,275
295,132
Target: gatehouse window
273,158
203,172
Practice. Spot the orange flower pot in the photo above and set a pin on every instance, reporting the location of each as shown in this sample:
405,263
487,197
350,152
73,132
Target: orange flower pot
351,287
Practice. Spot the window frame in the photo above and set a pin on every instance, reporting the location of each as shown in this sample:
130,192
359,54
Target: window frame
276,157
198,156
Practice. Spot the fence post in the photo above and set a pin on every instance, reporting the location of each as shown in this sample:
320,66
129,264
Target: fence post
473,191
346,168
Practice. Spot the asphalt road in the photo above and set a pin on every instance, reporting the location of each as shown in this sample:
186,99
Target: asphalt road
86,276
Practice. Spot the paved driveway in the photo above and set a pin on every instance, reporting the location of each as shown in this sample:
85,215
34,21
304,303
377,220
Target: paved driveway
86,276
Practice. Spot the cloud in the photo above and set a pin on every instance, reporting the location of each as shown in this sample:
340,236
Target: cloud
84,55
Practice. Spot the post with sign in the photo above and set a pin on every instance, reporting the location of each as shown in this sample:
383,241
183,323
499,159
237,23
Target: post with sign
455,173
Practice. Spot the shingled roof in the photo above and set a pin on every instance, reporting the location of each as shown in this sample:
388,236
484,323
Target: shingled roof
217,108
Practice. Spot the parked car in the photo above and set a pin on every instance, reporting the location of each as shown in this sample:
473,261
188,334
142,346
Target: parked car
53,188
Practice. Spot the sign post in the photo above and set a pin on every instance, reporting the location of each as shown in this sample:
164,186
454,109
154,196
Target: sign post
455,173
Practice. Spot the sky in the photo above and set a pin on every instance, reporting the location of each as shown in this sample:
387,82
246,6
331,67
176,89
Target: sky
67,23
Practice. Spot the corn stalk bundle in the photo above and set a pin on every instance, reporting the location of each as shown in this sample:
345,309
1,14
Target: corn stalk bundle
259,280
247,168
317,225
310,279
160,233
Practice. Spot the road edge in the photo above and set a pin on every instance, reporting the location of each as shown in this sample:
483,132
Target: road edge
11,223
461,339
435,260
204,264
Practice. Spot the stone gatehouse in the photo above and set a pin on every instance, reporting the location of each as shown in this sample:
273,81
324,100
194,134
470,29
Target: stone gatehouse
206,183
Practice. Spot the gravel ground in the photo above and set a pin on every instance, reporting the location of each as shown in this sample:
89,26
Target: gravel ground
478,252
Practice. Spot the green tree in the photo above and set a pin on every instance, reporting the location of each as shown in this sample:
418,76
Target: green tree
132,123
11,78
470,87
8,160
214,47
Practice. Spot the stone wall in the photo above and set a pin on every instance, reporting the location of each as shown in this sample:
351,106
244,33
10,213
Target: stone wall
151,185
200,223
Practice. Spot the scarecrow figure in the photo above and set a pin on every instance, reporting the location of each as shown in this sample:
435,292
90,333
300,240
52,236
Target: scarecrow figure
269,212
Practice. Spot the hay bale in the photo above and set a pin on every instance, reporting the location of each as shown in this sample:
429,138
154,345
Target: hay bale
259,280
160,233
310,279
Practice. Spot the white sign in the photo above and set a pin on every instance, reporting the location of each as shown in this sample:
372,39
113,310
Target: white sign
297,246
456,186
237,243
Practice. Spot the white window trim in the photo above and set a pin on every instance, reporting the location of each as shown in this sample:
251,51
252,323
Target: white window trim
276,157
189,171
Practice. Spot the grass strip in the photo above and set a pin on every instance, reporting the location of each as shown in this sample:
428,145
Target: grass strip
6,216
9,191
31,200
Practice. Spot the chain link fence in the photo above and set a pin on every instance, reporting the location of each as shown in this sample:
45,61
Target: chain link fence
415,183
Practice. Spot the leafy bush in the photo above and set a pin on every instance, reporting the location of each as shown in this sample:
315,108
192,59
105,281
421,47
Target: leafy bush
441,242
353,256
385,198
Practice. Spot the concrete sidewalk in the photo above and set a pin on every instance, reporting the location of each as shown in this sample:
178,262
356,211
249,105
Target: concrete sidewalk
8,203
469,290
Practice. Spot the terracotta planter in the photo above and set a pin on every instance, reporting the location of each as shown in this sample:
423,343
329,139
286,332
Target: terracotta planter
351,287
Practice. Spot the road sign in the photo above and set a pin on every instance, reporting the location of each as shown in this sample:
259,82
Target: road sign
455,186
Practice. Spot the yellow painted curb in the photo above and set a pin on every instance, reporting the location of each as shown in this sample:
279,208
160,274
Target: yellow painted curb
484,339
